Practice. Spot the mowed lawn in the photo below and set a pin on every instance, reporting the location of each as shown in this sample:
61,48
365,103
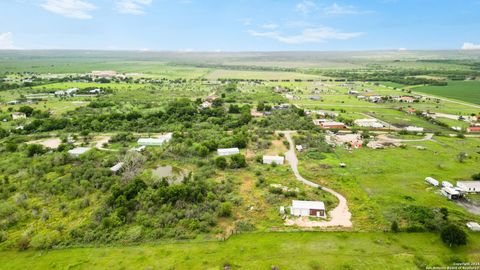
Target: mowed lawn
295,250
468,91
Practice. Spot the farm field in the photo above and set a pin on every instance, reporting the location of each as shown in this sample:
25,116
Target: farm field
468,91
327,250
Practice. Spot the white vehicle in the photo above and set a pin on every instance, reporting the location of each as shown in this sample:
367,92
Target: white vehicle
432,181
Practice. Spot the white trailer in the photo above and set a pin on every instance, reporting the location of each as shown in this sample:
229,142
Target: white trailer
432,181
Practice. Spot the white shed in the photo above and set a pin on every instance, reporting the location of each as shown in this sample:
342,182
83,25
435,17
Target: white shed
117,167
474,226
308,209
447,184
414,129
432,181
78,151
228,151
469,186
451,193
155,141
273,159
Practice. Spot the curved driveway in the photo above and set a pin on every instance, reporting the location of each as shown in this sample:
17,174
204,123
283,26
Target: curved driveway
340,216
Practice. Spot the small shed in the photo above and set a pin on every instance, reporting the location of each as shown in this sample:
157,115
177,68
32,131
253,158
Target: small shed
117,167
473,226
228,151
447,184
451,193
18,115
78,151
160,140
308,209
273,159
299,147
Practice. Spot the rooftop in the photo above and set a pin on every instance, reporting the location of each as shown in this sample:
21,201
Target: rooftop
308,204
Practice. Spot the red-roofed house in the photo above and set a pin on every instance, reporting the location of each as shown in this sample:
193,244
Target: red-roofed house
473,129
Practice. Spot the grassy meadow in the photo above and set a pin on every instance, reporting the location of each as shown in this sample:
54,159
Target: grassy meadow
296,250
468,91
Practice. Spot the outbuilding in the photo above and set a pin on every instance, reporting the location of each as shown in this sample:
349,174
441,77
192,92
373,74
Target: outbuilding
228,151
78,151
414,129
18,115
332,125
473,226
432,181
469,186
155,141
308,209
447,184
451,193
273,159
117,167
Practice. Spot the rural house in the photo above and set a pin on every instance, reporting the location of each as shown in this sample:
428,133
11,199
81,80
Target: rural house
308,209
228,151
117,167
473,129
414,129
369,123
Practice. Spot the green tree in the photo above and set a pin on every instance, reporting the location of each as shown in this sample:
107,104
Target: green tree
35,150
453,235
221,162
238,161
394,227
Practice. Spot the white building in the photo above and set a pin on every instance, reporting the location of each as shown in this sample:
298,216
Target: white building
370,123
117,167
160,140
447,184
473,226
18,115
78,151
451,193
273,159
228,151
299,147
432,181
308,209
414,129
469,186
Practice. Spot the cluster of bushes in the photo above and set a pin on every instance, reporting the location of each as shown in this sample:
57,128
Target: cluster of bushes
233,162
421,219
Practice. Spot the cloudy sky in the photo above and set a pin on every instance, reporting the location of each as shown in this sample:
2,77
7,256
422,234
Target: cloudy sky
239,25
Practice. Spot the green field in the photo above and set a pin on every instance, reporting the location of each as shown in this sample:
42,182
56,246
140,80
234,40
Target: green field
468,91
301,251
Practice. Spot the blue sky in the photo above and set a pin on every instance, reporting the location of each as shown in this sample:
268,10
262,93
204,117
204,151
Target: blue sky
239,25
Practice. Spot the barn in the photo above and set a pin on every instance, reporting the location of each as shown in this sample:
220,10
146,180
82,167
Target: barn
308,209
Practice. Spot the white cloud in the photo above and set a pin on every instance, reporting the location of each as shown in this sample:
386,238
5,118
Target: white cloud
270,26
402,49
470,46
135,7
6,41
336,9
309,35
305,7
77,9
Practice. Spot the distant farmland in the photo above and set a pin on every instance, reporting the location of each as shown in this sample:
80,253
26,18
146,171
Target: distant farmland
468,91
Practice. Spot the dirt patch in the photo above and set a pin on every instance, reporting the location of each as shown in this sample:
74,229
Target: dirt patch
51,143
100,140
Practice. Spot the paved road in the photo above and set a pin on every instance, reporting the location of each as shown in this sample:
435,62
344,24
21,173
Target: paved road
340,216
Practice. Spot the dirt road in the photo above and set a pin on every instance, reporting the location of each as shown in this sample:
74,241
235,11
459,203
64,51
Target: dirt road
339,217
